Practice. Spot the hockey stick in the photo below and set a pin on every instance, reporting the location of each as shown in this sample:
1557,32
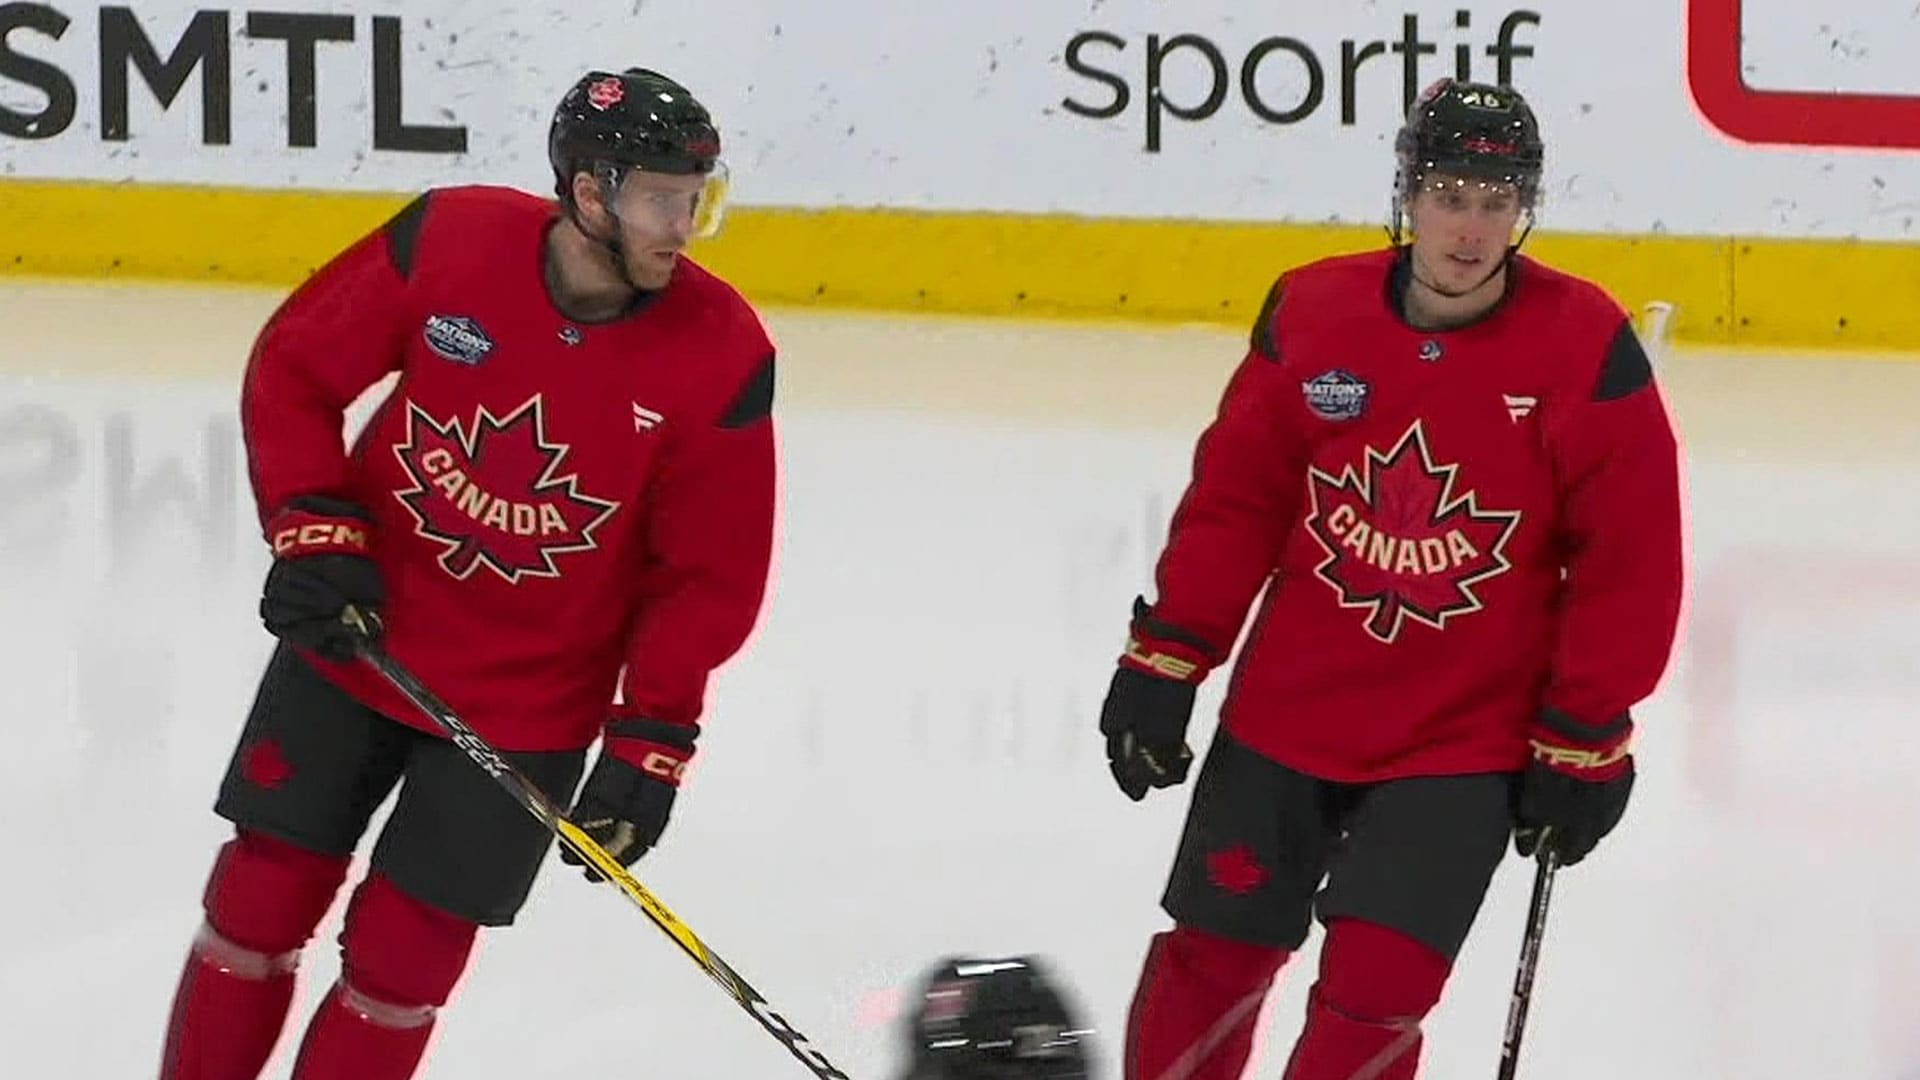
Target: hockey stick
1656,334
1529,960
536,802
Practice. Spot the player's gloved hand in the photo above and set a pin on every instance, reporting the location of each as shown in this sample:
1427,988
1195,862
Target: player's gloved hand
321,566
1575,789
627,798
1149,703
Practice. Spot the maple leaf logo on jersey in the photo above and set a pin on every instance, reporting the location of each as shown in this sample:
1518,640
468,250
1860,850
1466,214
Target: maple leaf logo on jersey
493,494
1401,543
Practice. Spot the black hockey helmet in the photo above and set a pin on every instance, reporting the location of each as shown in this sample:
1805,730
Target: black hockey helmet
994,1019
1470,129
635,119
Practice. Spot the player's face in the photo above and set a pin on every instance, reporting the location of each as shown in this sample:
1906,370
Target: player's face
659,214
1462,226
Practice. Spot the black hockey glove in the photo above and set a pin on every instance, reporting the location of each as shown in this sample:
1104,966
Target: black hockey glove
1575,789
1149,703
625,803
321,565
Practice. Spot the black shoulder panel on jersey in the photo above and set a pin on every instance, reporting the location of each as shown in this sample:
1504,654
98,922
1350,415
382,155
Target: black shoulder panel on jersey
1626,368
1262,339
403,235
756,398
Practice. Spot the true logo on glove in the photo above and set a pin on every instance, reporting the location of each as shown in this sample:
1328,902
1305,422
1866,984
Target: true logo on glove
1569,757
1162,663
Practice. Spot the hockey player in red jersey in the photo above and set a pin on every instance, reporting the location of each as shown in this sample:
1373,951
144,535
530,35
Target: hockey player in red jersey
562,518
1451,470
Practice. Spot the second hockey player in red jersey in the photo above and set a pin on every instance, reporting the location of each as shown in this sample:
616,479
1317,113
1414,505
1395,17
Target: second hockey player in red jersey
561,516
1450,469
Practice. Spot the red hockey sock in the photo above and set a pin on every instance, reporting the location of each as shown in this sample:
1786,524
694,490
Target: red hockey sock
363,1038
1193,1013
1363,1016
227,1012
400,961
262,900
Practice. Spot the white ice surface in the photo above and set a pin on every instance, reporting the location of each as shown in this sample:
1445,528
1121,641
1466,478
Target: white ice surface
903,762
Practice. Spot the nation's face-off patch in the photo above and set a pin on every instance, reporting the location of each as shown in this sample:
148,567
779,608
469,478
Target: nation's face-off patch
1337,395
457,338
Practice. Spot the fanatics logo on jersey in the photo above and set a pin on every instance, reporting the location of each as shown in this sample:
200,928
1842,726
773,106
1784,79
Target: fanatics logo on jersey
493,495
645,419
1336,395
457,338
1401,543
1519,406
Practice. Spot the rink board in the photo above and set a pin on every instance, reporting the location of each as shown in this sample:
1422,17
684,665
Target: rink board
1770,292
1752,163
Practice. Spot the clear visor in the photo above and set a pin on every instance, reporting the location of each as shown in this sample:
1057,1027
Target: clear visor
672,202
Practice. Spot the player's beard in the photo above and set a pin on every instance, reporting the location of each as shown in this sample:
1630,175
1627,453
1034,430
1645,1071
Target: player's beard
648,271
639,270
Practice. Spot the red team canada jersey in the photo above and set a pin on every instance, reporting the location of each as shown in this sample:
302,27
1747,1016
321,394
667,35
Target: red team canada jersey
1454,528
552,500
